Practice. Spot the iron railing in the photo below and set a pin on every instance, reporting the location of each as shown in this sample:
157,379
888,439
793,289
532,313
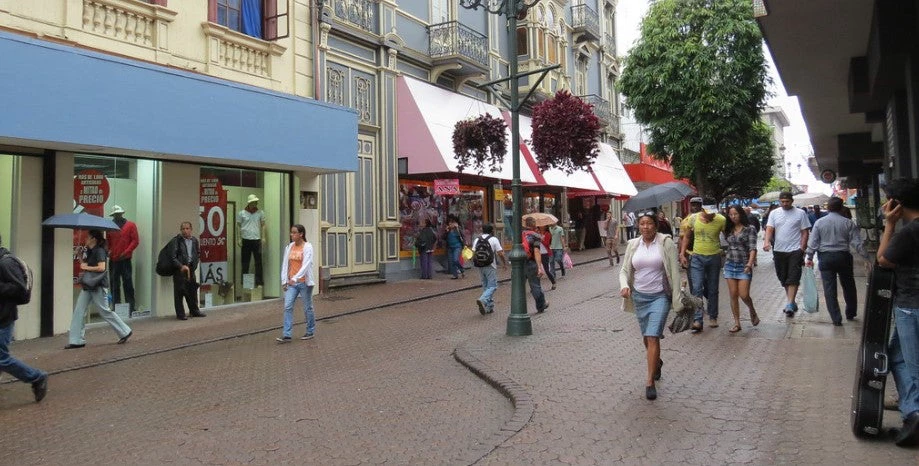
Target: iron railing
585,19
453,39
600,106
359,13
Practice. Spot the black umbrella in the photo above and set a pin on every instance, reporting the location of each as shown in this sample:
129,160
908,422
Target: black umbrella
81,221
658,195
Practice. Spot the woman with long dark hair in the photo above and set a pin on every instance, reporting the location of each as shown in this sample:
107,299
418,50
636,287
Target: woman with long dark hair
93,262
297,280
650,284
738,264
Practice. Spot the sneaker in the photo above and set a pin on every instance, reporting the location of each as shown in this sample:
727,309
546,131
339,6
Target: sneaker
308,336
40,388
481,305
282,339
696,327
544,307
794,307
553,286
713,323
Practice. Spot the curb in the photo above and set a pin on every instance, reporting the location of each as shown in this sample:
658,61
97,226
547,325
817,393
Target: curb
524,406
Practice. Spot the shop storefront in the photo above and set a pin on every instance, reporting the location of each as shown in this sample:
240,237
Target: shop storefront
189,148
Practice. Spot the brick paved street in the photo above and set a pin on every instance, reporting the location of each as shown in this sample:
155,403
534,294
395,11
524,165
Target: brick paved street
383,386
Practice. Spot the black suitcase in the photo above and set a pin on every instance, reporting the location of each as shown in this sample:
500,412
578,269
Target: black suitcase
868,392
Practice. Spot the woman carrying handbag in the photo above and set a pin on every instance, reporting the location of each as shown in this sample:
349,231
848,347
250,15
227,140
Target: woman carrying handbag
94,281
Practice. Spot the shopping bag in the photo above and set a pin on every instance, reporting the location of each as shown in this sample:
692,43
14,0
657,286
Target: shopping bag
566,261
809,290
467,253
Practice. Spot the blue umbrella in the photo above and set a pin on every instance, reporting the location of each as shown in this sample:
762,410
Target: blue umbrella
81,221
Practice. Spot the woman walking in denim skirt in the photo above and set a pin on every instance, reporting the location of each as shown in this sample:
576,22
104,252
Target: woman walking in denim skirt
738,265
649,278
297,280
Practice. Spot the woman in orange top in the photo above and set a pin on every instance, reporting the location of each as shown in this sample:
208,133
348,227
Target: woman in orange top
297,279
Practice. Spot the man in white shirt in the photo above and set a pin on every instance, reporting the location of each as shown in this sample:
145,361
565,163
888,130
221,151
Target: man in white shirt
488,272
251,234
786,235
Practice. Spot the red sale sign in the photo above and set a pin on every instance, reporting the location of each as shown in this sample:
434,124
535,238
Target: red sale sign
90,191
212,224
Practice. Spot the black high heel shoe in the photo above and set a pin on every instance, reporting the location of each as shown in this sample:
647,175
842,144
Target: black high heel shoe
651,392
657,373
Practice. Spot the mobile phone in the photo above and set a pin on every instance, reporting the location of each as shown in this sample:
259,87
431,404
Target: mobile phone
894,203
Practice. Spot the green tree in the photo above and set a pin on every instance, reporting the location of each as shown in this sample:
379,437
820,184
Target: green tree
746,171
696,79
777,184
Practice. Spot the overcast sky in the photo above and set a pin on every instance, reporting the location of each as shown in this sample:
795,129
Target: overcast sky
797,142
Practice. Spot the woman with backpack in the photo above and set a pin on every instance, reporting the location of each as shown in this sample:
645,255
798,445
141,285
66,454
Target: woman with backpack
94,281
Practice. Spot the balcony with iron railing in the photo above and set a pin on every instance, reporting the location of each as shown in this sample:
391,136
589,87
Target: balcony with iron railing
600,106
361,14
585,23
609,44
454,43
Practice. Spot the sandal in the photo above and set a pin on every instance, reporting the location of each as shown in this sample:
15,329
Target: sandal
735,329
754,319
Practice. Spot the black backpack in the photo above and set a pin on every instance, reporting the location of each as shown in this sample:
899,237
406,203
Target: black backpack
483,255
165,264
22,280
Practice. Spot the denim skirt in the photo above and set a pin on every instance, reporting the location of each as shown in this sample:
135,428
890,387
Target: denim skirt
651,311
735,271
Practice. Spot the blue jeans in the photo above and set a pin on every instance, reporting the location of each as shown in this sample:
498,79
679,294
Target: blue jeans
904,358
532,273
558,258
453,257
548,266
78,323
11,365
704,274
489,285
306,294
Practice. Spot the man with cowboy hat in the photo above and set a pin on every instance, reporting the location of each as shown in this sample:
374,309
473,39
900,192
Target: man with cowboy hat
122,244
250,235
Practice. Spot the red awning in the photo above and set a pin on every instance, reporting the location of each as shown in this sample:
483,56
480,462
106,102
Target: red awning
642,172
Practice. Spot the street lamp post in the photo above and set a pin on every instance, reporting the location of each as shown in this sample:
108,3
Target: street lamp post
518,323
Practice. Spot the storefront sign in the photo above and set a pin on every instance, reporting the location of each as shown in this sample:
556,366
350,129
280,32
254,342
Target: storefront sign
446,187
90,192
213,227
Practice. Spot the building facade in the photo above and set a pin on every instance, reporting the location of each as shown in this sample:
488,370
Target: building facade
174,111
411,70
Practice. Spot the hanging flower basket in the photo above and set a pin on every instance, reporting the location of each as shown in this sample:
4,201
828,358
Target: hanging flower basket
565,133
480,143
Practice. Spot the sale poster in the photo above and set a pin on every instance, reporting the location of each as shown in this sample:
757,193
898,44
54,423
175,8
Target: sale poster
212,241
90,192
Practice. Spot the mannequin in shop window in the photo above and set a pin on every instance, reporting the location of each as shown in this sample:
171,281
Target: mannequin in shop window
122,244
250,236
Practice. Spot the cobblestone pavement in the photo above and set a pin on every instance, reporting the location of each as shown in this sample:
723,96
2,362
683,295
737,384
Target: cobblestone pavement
382,387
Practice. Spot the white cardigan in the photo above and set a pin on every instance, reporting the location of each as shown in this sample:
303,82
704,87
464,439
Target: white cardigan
671,270
306,268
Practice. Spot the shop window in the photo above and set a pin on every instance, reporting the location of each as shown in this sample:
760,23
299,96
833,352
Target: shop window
102,186
241,244
417,202
263,19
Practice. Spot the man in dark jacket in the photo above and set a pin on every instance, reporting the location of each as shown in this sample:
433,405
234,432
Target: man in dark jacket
12,282
184,284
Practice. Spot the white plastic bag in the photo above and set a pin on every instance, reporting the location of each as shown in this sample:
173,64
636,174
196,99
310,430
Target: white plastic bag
811,303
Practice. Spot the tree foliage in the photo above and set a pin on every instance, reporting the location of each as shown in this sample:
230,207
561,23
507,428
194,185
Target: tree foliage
696,79
777,184
746,170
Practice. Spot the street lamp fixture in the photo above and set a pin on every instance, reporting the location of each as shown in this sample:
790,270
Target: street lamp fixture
518,323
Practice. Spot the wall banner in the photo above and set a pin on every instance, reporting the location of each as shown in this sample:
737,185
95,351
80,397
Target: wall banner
90,192
212,225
